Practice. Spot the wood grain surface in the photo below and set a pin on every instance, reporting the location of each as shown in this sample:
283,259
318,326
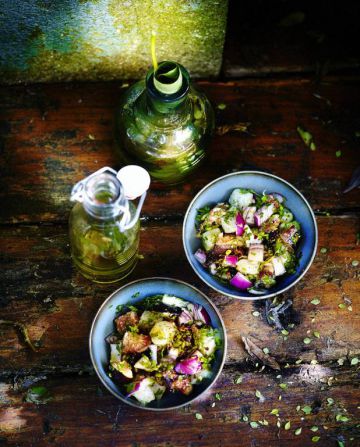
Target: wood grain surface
52,136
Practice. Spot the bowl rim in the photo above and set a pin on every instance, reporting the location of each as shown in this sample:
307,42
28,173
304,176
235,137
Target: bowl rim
270,295
144,280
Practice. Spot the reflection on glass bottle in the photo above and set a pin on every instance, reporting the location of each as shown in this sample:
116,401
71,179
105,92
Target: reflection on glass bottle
164,124
104,228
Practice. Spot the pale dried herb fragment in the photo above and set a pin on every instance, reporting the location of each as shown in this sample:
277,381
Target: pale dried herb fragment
330,401
306,409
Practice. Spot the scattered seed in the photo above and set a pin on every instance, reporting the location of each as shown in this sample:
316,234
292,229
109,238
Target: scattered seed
91,137
355,263
218,396
313,362
274,411
213,405
315,438
338,154
221,106
245,418
307,340
287,425
259,395
314,428
315,301
342,306
254,424
341,361
256,313
323,250
298,431
330,400
354,361
198,416
238,380
266,350
298,408
285,332
316,334
283,386
298,362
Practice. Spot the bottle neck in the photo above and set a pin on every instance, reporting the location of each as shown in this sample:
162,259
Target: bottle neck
168,104
104,197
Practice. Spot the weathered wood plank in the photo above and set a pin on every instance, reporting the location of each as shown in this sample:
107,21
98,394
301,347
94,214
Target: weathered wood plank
301,36
81,412
55,135
41,289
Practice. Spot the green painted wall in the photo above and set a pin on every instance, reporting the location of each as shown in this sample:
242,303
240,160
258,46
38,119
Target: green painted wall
56,40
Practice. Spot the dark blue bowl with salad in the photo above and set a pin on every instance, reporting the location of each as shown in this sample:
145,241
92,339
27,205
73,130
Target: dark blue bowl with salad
158,343
250,235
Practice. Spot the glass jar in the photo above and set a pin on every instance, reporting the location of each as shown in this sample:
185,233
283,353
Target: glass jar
166,133
104,225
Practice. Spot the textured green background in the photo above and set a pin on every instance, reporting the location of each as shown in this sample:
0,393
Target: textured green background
52,40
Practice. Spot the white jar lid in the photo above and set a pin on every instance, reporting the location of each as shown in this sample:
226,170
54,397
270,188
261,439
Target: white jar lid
135,181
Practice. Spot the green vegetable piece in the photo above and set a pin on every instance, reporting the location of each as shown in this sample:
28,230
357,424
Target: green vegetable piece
146,364
341,418
162,333
306,137
218,396
209,238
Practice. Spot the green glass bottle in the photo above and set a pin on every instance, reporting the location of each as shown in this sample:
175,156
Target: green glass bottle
164,124
104,224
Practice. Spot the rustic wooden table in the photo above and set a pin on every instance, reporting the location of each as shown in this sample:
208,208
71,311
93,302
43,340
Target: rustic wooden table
54,135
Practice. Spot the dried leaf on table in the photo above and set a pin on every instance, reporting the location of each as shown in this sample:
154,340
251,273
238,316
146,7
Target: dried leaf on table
354,181
238,127
255,351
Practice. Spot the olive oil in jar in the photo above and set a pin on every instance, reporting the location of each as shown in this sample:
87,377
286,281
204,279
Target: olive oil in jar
104,224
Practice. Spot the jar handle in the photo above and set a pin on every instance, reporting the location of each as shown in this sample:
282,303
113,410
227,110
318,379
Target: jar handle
125,226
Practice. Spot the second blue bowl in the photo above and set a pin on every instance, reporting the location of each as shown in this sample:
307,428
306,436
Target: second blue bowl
219,191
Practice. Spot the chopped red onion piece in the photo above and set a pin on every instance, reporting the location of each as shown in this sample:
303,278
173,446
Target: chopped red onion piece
240,222
185,317
231,260
263,214
240,281
189,366
136,388
200,255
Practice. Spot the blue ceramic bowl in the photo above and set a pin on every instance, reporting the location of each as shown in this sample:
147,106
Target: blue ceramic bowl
219,191
136,291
